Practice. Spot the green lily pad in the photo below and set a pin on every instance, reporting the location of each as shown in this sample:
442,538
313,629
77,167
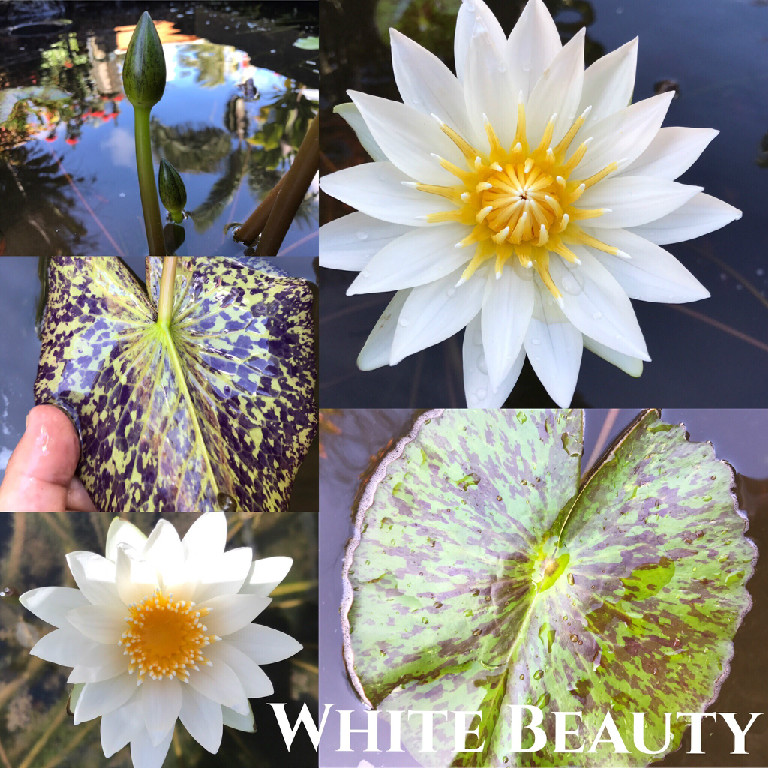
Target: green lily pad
223,404
309,43
485,572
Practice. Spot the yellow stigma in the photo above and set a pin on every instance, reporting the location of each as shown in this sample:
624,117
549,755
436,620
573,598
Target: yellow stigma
165,637
520,202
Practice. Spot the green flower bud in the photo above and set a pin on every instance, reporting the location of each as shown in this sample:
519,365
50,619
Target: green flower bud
144,66
173,194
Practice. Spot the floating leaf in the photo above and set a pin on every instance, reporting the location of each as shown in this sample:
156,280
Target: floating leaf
483,573
308,43
223,404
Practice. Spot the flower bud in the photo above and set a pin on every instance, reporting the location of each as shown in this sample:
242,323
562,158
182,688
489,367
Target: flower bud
173,194
144,65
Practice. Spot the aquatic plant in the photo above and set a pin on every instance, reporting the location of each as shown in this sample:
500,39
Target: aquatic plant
144,84
485,571
160,629
199,385
521,199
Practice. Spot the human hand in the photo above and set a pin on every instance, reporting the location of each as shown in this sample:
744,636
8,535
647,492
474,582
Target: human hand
41,472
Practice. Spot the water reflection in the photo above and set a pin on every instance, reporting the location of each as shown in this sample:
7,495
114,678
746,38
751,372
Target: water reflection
232,74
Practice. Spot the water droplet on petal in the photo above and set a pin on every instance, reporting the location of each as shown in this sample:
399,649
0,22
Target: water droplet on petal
536,342
402,322
597,315
480,394
450,292
362,235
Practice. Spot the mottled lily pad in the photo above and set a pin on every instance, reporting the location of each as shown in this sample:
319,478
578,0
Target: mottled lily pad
223,404
484,572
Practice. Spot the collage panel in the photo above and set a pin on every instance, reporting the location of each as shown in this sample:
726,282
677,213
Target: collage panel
634,289
484,572
158,413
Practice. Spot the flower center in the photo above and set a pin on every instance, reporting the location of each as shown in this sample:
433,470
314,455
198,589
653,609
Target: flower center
522,198
165,637
520,202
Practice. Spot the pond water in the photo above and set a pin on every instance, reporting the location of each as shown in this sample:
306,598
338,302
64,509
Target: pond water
349,441
240,95
712,353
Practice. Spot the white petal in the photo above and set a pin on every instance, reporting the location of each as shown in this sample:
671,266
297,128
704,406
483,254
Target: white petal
477,385
51,604
202,718
623,135
120,726
415,258
164,549
354,119
228,613
95,577
145,754
409,138
103,697
252,677
630,365
553,346
65,646
206,537
700,215
220,684
507,309
102,662
470,15
487,77
650,274
426,84
596,304
122,532
532,46
634,200
265,575
608,84
135,578
264,645
672,152
378,347
225,575
436,311
234,719
103,624
350,241
378,190
160,703
557,90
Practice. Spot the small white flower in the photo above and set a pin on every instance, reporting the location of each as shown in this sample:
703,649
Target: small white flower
522,199
160,629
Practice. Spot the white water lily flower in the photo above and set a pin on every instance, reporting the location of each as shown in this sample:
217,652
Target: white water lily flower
160,629
522,199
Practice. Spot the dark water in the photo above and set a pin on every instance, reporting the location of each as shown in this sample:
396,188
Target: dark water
712,353
239,97
350,439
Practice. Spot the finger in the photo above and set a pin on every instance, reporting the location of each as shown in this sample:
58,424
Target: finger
78,499
41,468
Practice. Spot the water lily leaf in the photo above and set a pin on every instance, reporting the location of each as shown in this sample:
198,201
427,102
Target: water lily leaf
223,404
484,573
309,43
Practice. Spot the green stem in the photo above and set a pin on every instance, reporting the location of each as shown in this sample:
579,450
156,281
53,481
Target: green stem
149,204
167,283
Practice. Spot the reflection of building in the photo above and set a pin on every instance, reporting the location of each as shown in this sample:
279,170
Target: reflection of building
104,70
165,29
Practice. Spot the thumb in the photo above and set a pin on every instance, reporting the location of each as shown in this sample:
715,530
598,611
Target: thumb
41,468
